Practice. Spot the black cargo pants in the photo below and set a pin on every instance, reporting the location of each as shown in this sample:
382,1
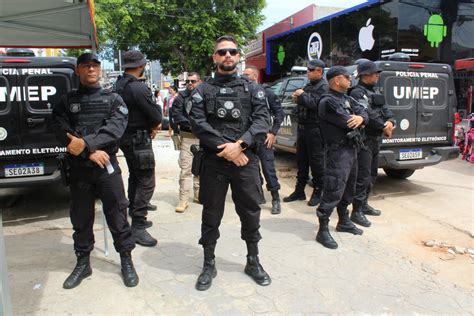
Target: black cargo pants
339,180
367,169
86,184
216,176
310,155
267,159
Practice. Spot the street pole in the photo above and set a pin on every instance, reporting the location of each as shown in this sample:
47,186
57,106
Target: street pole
5,302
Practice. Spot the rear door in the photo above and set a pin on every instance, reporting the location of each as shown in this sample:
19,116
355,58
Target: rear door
9,113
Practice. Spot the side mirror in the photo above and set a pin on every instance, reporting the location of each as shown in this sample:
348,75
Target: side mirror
378,99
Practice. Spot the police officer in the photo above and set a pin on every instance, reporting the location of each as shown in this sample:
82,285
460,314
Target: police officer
229,113
340,120
309,145
143,123
90,121
180,109
265,150
381,121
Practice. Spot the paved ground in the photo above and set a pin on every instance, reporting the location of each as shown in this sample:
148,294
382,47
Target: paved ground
387,270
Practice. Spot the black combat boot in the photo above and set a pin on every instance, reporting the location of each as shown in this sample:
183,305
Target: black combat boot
81,271
142,236
151,207
358,217
369,210
344,224
209,271
323,236
130,277
298,194
315,197
253,268
276,207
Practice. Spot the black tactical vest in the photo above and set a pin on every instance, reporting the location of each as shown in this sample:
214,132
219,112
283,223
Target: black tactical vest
376,119
228,107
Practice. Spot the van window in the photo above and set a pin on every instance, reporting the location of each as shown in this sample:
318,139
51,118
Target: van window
398,91
43,92
4,94
276,87
292,86
434,92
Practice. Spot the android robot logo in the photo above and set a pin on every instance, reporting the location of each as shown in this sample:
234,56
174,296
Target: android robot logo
281,55
435,30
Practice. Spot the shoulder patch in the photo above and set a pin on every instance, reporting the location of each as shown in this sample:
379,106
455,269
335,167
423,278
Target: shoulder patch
122,109
260,95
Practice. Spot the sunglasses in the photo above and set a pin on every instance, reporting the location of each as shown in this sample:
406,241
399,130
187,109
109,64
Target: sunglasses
222,52
191,81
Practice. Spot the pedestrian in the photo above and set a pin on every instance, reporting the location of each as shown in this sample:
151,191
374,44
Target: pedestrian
90,122
143,124
381,121
229,114
172,94
181,108
309,144
340,122
159,99
265,150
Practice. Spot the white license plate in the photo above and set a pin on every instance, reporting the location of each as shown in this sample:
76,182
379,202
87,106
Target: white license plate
407,154
24,170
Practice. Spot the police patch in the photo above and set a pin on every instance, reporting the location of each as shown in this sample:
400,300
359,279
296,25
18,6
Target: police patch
221,113
197,98
223,91
123,110
235,113
75,107
229,105
260,95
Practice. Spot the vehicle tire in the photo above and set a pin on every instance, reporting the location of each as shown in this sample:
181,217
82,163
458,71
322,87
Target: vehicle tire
399,173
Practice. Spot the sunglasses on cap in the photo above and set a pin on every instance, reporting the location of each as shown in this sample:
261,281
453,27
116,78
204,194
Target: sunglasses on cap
191,81
223,51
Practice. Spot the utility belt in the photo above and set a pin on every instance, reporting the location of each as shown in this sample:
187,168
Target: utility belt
142,149
353,139
66,162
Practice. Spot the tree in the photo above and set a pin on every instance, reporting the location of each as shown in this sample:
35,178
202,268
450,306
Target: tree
179,33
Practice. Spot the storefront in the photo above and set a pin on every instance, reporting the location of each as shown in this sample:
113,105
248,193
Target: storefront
427,30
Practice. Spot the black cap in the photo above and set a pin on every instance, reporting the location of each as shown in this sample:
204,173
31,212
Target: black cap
336,71
133,59
316,63
367,68
87,57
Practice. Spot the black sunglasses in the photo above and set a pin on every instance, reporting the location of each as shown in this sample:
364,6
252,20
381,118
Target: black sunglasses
191,81
222,52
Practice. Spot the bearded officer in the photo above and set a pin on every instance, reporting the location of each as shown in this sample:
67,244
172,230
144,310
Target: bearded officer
91,121
228,116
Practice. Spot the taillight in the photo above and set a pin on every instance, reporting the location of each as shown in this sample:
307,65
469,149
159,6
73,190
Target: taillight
16,61
417,66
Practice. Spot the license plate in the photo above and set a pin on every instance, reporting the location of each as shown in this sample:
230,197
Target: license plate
407,154
24,170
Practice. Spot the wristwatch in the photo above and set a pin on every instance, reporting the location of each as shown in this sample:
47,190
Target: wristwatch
242,144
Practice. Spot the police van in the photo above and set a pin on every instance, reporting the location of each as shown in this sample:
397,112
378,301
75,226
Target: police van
422,98
29,88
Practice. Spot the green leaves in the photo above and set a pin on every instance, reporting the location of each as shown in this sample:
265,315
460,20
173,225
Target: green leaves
179,33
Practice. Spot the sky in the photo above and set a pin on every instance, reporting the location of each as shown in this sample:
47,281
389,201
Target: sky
277,10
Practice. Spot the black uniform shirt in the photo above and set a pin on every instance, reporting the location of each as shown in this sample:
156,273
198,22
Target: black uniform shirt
309,99
334,115
208,136
276,110
180,110
107,136
144,114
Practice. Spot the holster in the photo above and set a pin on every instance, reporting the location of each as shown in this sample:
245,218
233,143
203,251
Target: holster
143,156
198,160
64,168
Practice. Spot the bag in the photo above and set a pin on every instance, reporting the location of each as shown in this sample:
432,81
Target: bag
143,156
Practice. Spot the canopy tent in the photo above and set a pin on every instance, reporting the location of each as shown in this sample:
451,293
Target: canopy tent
47,24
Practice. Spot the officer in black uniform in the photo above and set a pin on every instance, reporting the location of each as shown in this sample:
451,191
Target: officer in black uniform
381,121
309,145
143,124
265,150
90,121
341,118
229,114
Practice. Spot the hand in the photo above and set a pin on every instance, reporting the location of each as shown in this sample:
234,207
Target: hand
355,121
388,129
230,151
297,93
100,157
270,140
154,131
76,145
241,160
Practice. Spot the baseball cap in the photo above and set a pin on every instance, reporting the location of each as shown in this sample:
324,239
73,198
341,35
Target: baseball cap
367,68
87,57
133,59
335,71
316,63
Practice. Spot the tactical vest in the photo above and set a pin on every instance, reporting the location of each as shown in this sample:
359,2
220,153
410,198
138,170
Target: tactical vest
305,115
332,133
228,107
376,119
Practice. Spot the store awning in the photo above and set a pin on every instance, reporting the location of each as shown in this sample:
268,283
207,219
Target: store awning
464,64
47,24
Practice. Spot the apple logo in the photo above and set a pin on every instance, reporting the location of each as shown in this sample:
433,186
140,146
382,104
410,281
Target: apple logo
366,40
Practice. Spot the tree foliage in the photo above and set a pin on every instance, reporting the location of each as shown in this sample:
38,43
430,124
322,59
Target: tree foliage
179,33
